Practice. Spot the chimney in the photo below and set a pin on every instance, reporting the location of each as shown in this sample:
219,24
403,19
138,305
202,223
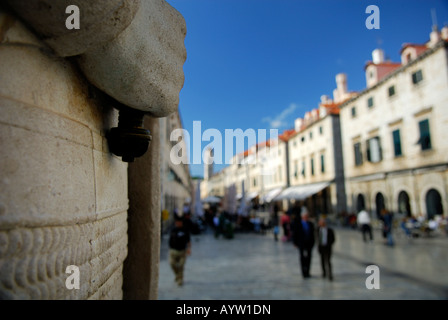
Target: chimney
378,56
325,99
434,36
341,83
298,124
341,87
444,33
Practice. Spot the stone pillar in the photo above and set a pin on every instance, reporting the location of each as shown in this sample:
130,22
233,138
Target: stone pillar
141,267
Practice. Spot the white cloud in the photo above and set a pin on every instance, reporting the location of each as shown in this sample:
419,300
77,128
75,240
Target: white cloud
281,120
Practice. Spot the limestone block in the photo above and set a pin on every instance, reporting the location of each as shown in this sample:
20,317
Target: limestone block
143,66
111,187
44,179
100,21
29,76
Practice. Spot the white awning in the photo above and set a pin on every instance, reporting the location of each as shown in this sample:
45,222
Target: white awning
252,195
301,192
211,199
271,194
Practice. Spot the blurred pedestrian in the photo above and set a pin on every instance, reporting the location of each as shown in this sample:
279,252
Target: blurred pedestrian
286,223
364,222
275,222
218,224
387,218
326,238
303,239
180,248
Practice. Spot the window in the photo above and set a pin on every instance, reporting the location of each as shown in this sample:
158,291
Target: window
397,143
417,77
358,153
303,139
255,182
425,136
311,135
296,169
391,91
374,153
434,204
360,202
404,205
322,163
303,168
312,166
321,130
353,112
370,102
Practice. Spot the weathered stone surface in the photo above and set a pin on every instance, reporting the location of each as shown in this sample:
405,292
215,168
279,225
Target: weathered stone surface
12,31
36,79
100,21
133,52
33,261
143,66
53,211
111,187
45,180
141,267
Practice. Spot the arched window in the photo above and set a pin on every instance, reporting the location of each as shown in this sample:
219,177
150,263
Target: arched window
404,206
433,203
380,205
360,203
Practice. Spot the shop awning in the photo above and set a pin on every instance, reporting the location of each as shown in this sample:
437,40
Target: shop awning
301,192
252,195
271,194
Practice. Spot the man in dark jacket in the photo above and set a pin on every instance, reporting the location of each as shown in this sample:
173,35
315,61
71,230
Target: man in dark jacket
180,247
303,238
326,239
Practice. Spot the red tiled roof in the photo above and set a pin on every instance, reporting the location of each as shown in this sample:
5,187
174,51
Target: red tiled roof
417,46
386,63
332,107
287,134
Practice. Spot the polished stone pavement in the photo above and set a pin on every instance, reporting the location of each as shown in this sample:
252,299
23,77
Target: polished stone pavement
255,267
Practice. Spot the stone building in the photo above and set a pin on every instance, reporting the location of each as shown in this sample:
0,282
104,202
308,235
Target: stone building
74,191
315,163
176,184
393,133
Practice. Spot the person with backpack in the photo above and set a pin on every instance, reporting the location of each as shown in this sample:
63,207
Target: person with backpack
180,248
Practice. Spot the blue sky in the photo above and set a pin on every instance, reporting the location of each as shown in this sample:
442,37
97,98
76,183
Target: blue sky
253,64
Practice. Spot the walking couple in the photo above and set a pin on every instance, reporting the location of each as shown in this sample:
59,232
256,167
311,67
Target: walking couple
304,238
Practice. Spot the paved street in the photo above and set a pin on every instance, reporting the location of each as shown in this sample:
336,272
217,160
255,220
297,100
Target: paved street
255,267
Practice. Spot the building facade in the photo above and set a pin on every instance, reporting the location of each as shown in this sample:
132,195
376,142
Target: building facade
315,156
393,134
177,189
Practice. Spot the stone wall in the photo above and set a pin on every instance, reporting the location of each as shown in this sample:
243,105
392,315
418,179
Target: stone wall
63,196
